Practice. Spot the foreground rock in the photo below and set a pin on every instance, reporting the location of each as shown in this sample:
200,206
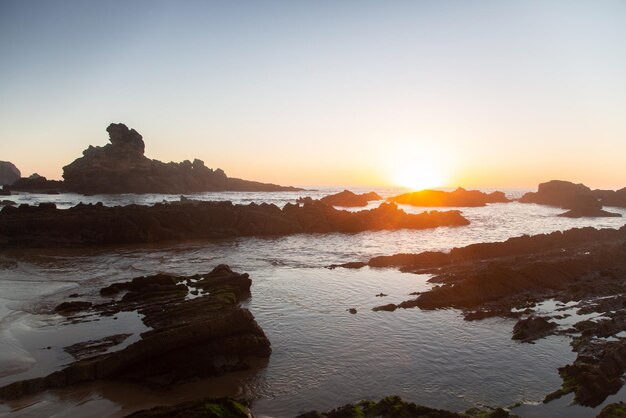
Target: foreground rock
586,266
195,323
614,410
206,408
459,198
395,407
350,199
121,167
45,225
578,198
9,173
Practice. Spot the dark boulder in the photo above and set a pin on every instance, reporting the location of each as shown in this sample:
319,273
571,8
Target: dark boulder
532,328
9,173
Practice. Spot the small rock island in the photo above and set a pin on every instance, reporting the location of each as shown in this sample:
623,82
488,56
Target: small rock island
122,167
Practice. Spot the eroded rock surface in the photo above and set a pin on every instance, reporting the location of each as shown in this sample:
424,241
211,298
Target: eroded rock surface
190,336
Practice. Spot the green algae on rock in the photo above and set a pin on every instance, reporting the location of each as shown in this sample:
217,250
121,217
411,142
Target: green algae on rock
206,408
395,407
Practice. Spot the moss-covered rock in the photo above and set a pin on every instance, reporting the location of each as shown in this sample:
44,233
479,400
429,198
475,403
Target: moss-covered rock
395,407
614,410
206,408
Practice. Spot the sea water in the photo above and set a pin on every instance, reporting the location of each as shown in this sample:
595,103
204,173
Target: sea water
323,356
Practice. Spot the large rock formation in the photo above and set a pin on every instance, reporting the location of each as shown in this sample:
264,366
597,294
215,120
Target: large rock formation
97,224
563,194
122,167
8,173
193,324
459,197
578,198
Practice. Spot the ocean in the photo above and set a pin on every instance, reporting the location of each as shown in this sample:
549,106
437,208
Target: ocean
323,356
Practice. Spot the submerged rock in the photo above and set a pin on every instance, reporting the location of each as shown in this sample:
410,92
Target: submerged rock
390,307
589,213
188,337
97,224
532,328
459,197
122,167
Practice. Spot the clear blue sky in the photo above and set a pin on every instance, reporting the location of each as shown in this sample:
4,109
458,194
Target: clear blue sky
497,93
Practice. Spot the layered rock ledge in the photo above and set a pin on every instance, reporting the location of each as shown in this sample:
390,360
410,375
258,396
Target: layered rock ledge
194,323
45,225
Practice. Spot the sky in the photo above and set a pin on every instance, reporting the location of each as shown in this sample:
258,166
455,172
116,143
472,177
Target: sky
415,93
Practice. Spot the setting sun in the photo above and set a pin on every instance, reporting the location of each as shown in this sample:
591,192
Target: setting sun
417,166
418,176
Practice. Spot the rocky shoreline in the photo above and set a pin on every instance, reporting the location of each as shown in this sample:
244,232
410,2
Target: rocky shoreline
196,329
583,267
47,226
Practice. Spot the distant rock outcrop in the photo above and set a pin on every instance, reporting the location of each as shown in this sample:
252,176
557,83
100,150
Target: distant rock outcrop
578,198
122,167
459,197
9,173
350,199
564,194
37,184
